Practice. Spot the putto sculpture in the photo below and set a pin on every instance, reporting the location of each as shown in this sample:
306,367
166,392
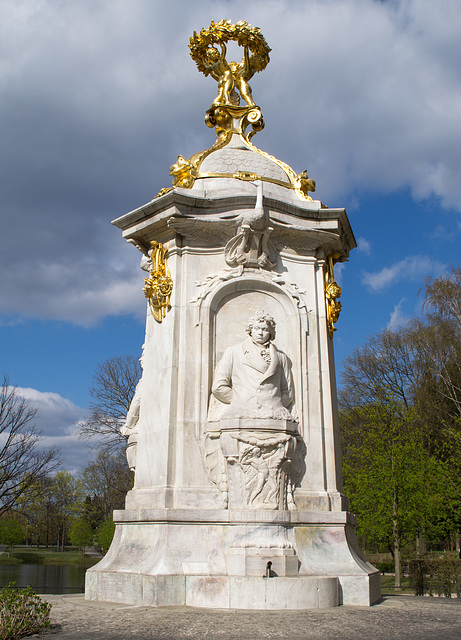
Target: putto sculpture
230,75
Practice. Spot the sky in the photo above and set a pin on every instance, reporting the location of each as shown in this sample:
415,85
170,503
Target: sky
98,98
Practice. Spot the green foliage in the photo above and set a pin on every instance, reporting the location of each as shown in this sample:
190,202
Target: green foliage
81,534
11,533
21,613
105,534
400,425
391,478
67,502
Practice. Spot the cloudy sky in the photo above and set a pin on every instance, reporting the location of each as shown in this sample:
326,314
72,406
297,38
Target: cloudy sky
97,99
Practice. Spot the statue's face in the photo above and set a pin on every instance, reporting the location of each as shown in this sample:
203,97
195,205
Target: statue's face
260,332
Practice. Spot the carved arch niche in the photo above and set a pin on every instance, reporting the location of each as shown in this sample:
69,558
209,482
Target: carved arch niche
225,312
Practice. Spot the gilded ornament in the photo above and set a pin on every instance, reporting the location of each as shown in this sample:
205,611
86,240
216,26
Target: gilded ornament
208,49
332,293
184,173
159,285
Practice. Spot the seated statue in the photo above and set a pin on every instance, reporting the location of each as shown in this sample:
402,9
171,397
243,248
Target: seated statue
254,378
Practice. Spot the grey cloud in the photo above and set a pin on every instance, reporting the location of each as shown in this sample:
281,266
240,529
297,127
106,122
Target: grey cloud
57,419
99,98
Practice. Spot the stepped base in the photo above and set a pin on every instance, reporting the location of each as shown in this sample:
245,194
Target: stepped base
218,559
215,592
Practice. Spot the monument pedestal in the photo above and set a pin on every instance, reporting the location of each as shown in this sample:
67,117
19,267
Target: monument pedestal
182,557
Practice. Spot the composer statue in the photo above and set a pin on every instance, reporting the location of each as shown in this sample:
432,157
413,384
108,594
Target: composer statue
254,378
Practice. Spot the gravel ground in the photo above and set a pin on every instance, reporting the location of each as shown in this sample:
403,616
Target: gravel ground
402,617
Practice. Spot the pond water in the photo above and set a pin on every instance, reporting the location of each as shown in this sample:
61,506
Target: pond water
45,578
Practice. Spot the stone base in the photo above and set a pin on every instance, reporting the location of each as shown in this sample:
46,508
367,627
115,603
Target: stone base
215,592
217,559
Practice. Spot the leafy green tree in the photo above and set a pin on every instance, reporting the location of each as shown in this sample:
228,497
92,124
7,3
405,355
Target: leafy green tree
67,502
105,534
400,424
81,534
11,533
36,508
395,485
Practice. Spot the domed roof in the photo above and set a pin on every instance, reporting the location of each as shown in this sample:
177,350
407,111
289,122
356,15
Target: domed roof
230,160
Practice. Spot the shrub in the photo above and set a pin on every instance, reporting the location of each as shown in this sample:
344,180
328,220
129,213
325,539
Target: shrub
445,573
436,576
21,613
417,568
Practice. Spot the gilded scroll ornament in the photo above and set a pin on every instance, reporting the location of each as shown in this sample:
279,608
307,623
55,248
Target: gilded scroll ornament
332,293
159,285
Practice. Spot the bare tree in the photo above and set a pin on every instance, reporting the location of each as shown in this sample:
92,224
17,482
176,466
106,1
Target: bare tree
22,461
106,481
114,384
384,364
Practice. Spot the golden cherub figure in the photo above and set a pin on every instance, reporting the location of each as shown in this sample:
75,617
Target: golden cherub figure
217,67
241,73
233,75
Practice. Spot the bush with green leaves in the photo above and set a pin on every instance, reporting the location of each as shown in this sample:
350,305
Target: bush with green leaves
21,613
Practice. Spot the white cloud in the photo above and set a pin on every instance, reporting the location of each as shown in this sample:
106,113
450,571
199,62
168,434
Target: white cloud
99,98
363,246
412,268
398,318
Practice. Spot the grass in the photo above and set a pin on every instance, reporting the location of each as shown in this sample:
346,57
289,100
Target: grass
388,588
32,555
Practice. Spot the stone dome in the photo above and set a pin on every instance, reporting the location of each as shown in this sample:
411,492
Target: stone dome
229,160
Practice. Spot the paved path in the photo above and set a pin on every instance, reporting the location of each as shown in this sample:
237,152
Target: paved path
397,617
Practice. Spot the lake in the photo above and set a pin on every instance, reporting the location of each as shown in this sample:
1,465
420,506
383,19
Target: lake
45,578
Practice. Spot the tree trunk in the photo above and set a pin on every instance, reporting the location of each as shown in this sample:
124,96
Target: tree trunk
396,538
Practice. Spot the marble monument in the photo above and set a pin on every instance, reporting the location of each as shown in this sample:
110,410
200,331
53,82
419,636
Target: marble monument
233,430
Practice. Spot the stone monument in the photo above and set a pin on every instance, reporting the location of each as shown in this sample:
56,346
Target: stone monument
233,431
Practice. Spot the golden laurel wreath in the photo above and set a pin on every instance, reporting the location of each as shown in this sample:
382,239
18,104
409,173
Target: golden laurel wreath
223,31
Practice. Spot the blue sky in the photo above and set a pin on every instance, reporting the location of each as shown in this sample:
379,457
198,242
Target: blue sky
98,97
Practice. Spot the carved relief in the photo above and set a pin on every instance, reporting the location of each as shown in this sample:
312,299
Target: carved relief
210,283
265,462
249,450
